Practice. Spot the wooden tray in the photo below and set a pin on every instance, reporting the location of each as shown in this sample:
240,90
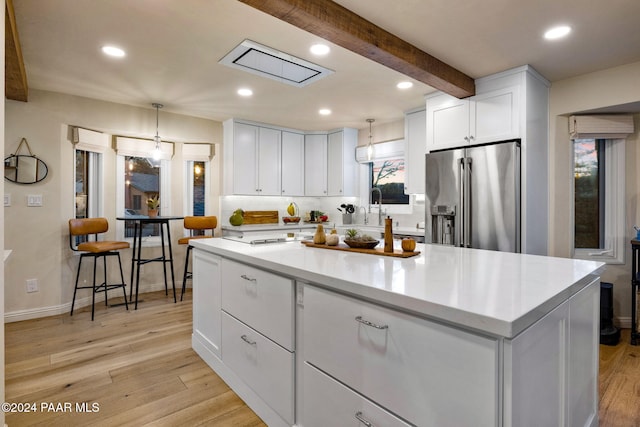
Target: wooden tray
261,217
375,251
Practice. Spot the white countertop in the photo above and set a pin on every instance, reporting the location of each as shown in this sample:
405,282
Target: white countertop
497,293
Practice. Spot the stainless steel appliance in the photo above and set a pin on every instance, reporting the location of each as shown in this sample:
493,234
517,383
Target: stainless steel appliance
472,197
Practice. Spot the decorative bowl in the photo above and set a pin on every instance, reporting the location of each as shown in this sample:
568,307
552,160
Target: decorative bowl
290,219
361,244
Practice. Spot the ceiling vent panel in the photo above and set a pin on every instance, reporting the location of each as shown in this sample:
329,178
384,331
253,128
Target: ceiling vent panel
266,62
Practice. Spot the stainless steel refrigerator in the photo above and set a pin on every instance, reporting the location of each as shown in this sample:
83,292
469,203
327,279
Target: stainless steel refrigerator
472,197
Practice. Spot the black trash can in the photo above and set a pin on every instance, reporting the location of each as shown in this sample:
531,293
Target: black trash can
609,334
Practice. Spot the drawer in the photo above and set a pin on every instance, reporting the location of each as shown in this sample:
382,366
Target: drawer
260,299
417,369
326,402
264,366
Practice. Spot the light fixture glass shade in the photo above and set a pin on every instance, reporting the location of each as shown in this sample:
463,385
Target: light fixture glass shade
370,148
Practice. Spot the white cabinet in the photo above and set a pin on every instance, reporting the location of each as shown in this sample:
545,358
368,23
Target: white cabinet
260,299
256,160
264,366
553,365
292,164
206,290
487,117
341,162
415,148
315,165
390,358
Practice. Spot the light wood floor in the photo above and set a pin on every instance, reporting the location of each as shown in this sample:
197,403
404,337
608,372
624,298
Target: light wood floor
140,368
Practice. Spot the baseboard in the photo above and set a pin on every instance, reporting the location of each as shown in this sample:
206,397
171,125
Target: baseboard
36,313
623,322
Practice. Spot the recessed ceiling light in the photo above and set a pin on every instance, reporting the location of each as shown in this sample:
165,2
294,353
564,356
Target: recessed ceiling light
113,51
404,85
557,32
324,111
245,92
319,49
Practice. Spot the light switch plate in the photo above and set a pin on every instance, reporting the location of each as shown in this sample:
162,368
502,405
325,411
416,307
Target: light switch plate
7,199
34,200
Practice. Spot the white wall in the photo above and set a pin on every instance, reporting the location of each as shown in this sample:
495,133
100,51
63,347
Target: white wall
614,86
39,236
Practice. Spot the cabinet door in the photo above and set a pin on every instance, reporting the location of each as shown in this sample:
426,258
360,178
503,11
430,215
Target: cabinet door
447,122
245,159
268,162
335,165
315,165
415,148
206,291
495,116
292,167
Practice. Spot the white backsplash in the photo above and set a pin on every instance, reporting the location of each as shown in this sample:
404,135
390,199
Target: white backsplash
328,205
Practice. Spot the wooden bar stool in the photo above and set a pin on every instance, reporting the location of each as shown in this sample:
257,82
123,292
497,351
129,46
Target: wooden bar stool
194,224
96,249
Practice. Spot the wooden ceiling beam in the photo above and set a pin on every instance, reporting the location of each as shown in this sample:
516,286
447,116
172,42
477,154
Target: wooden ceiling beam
15,77
341,26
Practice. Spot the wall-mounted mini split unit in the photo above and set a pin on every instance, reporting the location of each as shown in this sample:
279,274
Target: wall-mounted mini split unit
267,62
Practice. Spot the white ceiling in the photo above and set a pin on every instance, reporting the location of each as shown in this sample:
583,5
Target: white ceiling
173,48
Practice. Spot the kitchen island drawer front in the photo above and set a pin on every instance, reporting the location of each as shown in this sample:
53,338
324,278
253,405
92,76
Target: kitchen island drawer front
264,366
391,357
347,408
260,299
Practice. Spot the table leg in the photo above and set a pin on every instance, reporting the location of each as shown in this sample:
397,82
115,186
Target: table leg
133,259
139,237
164,256
173,278
634,291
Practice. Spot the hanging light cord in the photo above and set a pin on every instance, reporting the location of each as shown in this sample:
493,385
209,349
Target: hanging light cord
370,146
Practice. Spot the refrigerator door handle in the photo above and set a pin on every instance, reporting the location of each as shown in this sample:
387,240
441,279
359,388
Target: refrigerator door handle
462,213
468,204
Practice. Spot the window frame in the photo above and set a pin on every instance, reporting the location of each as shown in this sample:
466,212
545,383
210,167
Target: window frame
188,187
165,198
613,250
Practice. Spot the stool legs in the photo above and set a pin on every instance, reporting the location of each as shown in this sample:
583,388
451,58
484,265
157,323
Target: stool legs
186,274
103,287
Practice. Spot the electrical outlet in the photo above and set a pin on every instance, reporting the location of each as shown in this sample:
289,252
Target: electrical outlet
32,285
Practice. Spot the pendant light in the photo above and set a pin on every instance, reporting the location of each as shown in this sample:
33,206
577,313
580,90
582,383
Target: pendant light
370,146
157,152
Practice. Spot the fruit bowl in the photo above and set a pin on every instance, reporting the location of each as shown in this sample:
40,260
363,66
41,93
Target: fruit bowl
361,244
291,219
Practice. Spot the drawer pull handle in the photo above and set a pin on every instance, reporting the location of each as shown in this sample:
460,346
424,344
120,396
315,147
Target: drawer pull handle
363,420
247,340
373,325
251,279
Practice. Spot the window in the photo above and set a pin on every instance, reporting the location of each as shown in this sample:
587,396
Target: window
141,182
388,176
88,187
598,199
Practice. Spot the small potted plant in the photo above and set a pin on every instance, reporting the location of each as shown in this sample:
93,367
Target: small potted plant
152,206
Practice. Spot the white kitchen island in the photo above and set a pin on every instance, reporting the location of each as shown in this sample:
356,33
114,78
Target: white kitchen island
451,337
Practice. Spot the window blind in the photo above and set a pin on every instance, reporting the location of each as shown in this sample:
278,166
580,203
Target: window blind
608,126
142,148
89,140
197,152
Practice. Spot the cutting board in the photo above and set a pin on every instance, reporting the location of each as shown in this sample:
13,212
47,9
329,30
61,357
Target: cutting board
375,251
261,217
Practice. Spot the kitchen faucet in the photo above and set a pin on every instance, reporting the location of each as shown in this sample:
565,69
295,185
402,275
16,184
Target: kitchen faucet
365,214
380,213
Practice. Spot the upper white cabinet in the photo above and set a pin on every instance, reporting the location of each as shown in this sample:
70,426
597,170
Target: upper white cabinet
315,165
486,117
415,148
292,164
269,161
255,160
341,163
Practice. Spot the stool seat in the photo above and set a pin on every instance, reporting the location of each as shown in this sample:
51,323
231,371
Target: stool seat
185,240
104,246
